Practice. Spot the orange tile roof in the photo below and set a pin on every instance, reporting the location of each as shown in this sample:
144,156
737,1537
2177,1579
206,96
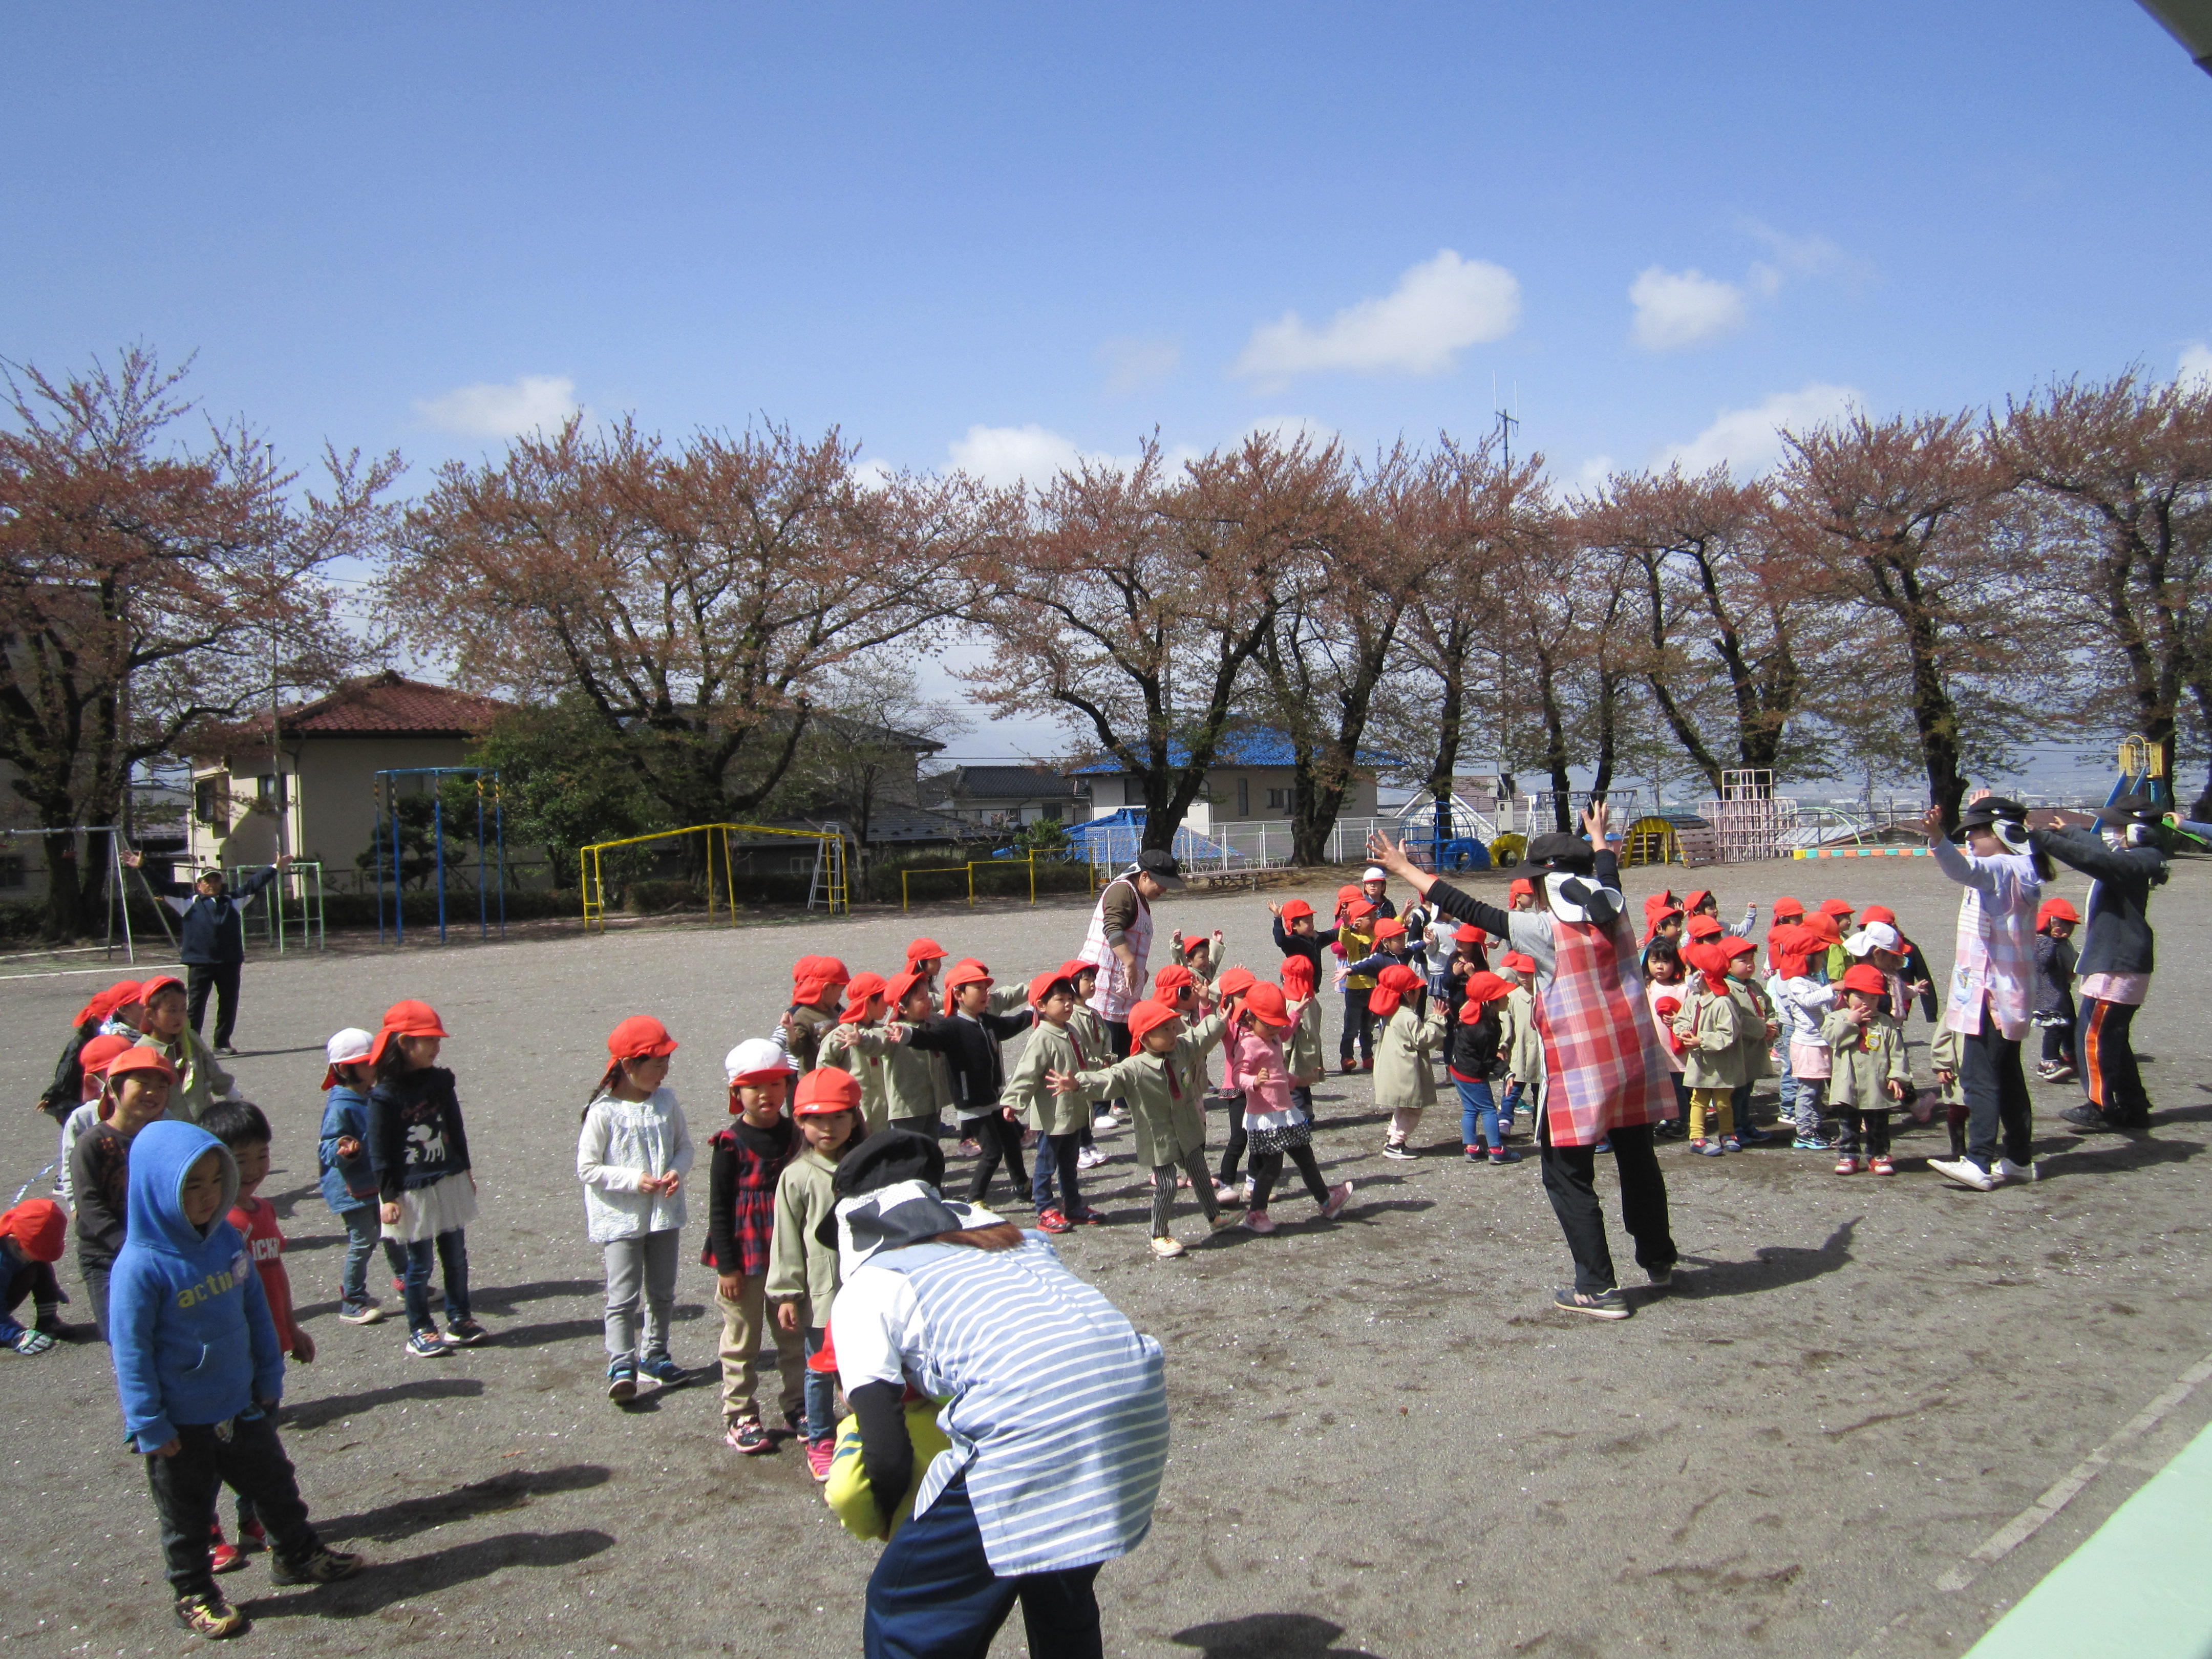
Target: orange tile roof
382,705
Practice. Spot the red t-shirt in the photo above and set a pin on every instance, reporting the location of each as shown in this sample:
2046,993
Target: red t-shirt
258,1226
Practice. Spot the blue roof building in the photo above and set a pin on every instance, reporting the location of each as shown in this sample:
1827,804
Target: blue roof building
1251,781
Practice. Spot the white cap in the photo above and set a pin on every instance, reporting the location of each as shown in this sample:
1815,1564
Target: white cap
349,1047
1374,872
755,1054
1874,936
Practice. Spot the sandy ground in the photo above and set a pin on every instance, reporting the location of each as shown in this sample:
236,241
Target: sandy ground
1385,1443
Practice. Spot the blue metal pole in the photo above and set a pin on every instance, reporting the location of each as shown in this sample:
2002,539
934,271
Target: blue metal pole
376,842
438,831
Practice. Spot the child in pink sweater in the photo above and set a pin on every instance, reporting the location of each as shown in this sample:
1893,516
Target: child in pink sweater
1274,1126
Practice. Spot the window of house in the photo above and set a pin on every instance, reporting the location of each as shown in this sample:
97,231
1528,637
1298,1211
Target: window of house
1244,798
212,803
12,875
1050,810
1279,800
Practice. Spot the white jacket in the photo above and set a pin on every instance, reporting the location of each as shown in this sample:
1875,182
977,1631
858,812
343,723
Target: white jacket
622,1141
1802,1003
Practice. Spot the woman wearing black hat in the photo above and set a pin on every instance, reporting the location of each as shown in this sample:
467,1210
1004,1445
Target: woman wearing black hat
1605,1075
2124,860
1055,1406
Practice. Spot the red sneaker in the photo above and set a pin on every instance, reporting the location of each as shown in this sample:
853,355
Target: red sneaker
224,1556
1052,1221
819,1456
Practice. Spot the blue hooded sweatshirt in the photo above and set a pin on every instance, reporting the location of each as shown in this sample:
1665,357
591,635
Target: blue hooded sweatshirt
187,1320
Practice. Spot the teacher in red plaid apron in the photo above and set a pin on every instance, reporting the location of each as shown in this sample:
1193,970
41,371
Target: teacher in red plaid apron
1606,1076
1120,938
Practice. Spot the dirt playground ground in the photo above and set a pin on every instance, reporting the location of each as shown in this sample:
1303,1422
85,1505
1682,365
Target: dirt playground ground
1385,1443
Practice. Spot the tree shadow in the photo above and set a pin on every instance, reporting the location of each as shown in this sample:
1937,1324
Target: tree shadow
503,1300
1269,1636
510,1491
2103,1155
1775,1267
311,1415
382,1583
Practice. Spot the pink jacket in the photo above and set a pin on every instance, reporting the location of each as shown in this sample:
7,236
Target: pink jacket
1257,1068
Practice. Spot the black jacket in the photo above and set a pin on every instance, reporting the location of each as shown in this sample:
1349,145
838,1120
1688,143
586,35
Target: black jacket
972,1055
213,930
66,1092
1308,946
2116,932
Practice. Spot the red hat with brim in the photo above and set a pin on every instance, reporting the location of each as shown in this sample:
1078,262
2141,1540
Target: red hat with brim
39,1227
826,1090
1236,981
1883,913
1349,891
1470,934
1148,1016
1519,961
1787,908
1392,987
139,1058
1389,927
1267,1004
861,990
925,950
1040,987
158,983
1298,975
812,978
1520,884
903,985
1834,908
2054,909
1173,977
640,1037
1358,910
1297,910
1700,928
93,1059
406,1019
123,991
1481,988
966,971
1867,978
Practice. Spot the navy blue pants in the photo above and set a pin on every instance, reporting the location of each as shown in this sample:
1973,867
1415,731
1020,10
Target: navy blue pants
933,1596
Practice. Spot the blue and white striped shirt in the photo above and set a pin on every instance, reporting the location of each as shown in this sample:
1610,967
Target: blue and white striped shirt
1055,1405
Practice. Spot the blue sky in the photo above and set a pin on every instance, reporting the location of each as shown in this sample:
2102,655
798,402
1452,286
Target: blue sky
1006,235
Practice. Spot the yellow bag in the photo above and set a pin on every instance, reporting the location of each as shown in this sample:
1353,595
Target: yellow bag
848,1492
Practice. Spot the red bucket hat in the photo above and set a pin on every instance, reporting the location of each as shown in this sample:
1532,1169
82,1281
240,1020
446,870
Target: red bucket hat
812,977
407,1018
123,991
924,950
1235,982
1173,977
1788,910
1868,978
1298,977
94,1057
902,986
1482,988
1392,987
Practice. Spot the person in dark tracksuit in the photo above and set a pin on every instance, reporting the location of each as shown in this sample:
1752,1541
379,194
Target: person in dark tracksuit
2124,858
213,947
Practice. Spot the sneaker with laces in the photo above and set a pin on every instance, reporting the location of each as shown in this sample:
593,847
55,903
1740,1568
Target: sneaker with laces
210,1615
1052,1221
1090,1158
1474,1154
2008,1170
321,1565
1882,1166
748,1436
427,1344
1965,1171
820,1455
1607,1305
1812,1143
1166,1249
1847,1165
360,1313
662,1370
464,1332
1397,1150
1259,1221
1339,1196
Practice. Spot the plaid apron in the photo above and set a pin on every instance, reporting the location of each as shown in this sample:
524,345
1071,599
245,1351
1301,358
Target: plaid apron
1603,1066
1117,991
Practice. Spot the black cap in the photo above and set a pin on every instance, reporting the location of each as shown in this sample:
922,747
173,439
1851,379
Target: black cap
2133,808
1560,849
885,1159
1990,809
1160,865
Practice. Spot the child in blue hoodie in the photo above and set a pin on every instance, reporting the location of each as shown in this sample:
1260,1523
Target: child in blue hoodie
199,1373
347,1180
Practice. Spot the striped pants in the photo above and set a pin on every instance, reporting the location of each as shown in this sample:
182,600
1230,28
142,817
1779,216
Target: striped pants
2109,1071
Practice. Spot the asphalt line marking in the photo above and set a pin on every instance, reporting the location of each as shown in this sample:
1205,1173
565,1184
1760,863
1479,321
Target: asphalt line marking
2030,1521
76,973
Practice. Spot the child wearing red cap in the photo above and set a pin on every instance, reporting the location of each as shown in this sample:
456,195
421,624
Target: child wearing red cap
1475,1065
748,1159
1355,942
1802,1001
166,1025
632,1157
802,1273
1756,1028
1227,992
1297,935
1166,1111
1303,1053
1058,1116
861,1043
972,1035
911,1088
135,1088
66,1092
418,1146
2055,1012
1405,1077
92,1075
1662,983
1870,1076
1092,1036
1521,1041
816,984
1273,1127
1713,1054
32,1237
1521,895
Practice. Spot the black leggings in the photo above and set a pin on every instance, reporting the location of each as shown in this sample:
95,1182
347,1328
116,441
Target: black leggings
1235,1154
1266,1166
998,1141
1357,1024
1866,1132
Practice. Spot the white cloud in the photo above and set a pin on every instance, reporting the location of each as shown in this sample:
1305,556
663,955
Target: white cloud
1675,309
1287,429
1439,308
528,402
1132,364
1032,454
1595,471
872,475
2195,371
1750,439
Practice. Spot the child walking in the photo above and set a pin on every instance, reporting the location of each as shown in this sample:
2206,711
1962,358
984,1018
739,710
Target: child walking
1165,1110
347,1181
802,1272
1712,1057
1405,1075
1870,1077
632,1156
972,1036
1273,1127
199,1369
1476,1067
749,1157
2054,1013
244,1131
418,1148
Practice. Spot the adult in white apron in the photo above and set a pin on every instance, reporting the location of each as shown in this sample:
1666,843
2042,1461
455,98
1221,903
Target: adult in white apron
1120,938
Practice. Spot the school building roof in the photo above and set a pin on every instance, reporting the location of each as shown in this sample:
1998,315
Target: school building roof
1247,746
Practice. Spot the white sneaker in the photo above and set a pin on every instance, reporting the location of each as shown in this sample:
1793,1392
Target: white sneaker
1396,1149
2008,1170
1090,1158
1103,1122
1164,1248
1965,1171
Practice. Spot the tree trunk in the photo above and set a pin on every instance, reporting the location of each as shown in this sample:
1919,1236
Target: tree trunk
1555,742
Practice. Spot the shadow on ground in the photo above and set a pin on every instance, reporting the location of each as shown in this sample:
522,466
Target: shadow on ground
1776,1266
511,1491
419,1577
1270,1636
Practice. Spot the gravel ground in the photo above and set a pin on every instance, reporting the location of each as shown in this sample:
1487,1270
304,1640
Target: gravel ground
1385,1443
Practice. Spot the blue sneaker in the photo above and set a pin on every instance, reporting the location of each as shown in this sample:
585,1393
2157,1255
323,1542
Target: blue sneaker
662,1370
1705,1148
427,1345
1808,1144
1754,1137
622,1380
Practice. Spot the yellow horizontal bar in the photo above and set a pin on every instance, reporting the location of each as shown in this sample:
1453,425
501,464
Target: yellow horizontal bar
692,829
